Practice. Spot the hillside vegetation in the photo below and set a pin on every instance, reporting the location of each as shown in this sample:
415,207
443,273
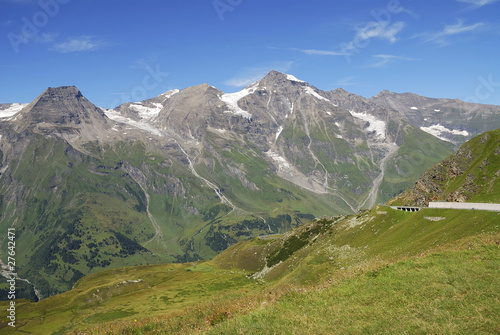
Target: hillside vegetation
472,174
340,264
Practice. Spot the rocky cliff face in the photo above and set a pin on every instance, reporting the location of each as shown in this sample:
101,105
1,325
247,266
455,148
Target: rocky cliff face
471,174
61,106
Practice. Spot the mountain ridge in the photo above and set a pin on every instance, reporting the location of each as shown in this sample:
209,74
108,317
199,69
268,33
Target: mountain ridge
182,176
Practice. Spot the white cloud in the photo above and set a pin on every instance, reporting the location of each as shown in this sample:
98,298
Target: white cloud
371,30
441,37
83,43
382,60
322,52
251,75
380,30
478,3
460,28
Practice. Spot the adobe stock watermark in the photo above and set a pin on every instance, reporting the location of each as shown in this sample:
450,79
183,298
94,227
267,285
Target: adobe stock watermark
223,6
31,27
379,27
150,82
484,89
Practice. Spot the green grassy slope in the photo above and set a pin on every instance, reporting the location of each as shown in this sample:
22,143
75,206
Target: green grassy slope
73,214
319,249
188,296
449,292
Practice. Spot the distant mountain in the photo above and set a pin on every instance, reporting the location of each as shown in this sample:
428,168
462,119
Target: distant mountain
449,119
472,174
184,175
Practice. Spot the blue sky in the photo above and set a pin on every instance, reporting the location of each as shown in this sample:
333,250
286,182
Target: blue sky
116,51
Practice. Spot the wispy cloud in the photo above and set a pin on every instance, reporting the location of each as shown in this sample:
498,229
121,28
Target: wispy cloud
442,37
79,44
478,3
373,30
347,81
251,75
321,52
383,60
381,30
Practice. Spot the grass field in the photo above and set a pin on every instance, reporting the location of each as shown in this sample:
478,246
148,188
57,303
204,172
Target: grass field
448,292
374,272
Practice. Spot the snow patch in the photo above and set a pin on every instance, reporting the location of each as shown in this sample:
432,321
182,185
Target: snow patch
338,136
437,110
328,113
292,78
437,130
146,112
11,110
376,125
170,93
310,91
425,119
414,108
116,116
337,124
231,100
279,132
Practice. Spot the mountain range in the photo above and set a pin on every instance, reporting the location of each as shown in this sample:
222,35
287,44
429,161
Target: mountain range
184,175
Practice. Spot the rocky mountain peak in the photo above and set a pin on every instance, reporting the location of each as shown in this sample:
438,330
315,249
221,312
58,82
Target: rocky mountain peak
383,93
64,112
275,78
198,90
63,105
